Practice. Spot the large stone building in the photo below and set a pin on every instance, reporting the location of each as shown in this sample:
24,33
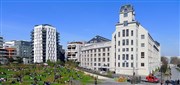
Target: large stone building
45,45
95,54
133,49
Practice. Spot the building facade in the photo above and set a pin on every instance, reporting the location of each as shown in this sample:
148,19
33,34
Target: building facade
133,49
74,51
23,49
1,42
95,54
45,45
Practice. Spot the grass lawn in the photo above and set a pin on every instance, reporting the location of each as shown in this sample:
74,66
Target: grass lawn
38,73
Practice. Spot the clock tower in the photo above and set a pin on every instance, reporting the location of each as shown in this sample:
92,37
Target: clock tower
127,14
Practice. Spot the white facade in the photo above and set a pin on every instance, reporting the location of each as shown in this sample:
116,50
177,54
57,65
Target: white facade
44,43
73,51
96,56
133,49
9,44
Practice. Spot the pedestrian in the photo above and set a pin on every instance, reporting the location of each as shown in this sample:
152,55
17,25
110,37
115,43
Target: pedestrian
178,82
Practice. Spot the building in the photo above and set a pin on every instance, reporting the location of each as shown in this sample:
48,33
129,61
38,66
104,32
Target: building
23,49
3,53
95,54
45,45
134,51
11,52
1,42
74,51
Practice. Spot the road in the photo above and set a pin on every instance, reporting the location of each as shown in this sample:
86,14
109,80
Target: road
175,73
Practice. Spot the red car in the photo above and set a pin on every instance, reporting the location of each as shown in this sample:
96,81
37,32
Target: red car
152,79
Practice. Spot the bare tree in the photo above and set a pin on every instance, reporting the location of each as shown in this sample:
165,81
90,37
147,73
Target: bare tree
175,60
164,60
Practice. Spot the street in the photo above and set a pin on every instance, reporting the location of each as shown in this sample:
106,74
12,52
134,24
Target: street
175,73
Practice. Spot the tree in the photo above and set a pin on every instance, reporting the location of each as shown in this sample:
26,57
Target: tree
19,60
164,60
174,60
164,66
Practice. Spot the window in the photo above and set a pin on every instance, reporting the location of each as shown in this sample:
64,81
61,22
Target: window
104,59
127,49
118,57
99,64
119,43
125,14
94,50
118,64
142,37
104,49
108,49
123,57
127,41
131,49
118,34
142,44
99,50
127,57
95,59
99,54
123,42
142,54
131,42
94,55
127,32
123,64
99,59
119,50
123,34
107,54
108,59
125,23
123,49
104,54
94,64
132,65
131,32
127,64
142,64
131,57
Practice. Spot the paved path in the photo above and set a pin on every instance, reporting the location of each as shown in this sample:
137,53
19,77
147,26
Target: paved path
175,73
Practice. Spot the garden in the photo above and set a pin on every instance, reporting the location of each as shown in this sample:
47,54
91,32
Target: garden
40,74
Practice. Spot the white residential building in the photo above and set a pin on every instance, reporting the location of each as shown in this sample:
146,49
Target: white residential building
133,49
95,54
44,43
73,51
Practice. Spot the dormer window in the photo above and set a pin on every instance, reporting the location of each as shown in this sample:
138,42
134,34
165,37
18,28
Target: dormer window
125,14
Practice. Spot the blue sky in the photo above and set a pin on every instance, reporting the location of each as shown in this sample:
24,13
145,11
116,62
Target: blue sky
84,19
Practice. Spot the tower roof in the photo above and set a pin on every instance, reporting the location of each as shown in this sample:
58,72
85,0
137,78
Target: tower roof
98,39
126,8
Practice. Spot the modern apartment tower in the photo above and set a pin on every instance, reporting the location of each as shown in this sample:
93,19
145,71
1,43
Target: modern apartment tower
133,51
1,42
45,43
